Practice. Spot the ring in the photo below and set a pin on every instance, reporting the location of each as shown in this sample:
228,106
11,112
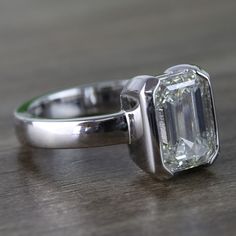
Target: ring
168,121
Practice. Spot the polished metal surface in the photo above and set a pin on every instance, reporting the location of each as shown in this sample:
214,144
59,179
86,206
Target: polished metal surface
144,146
118,112
86,116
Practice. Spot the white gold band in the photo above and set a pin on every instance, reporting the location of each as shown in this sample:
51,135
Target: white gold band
86,116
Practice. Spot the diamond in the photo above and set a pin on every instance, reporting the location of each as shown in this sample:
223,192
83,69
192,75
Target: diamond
185,118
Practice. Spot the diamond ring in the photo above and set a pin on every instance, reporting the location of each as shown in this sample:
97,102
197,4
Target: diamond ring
168,121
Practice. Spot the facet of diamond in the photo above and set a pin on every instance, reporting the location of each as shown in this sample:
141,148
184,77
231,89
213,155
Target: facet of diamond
186,123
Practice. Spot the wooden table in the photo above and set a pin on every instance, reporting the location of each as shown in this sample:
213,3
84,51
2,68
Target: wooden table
50,45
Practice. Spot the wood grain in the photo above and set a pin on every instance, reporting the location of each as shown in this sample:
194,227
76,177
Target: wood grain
50,45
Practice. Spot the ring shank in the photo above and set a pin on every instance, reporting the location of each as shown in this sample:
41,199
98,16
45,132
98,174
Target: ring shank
86,116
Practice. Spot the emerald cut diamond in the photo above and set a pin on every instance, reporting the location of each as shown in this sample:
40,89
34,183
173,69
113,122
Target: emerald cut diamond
186,122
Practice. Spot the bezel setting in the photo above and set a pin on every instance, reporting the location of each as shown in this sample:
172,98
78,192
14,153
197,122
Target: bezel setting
146,94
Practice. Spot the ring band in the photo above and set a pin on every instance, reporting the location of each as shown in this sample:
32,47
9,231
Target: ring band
168,121
51,121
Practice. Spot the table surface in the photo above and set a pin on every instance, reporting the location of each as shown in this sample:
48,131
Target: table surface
50,45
